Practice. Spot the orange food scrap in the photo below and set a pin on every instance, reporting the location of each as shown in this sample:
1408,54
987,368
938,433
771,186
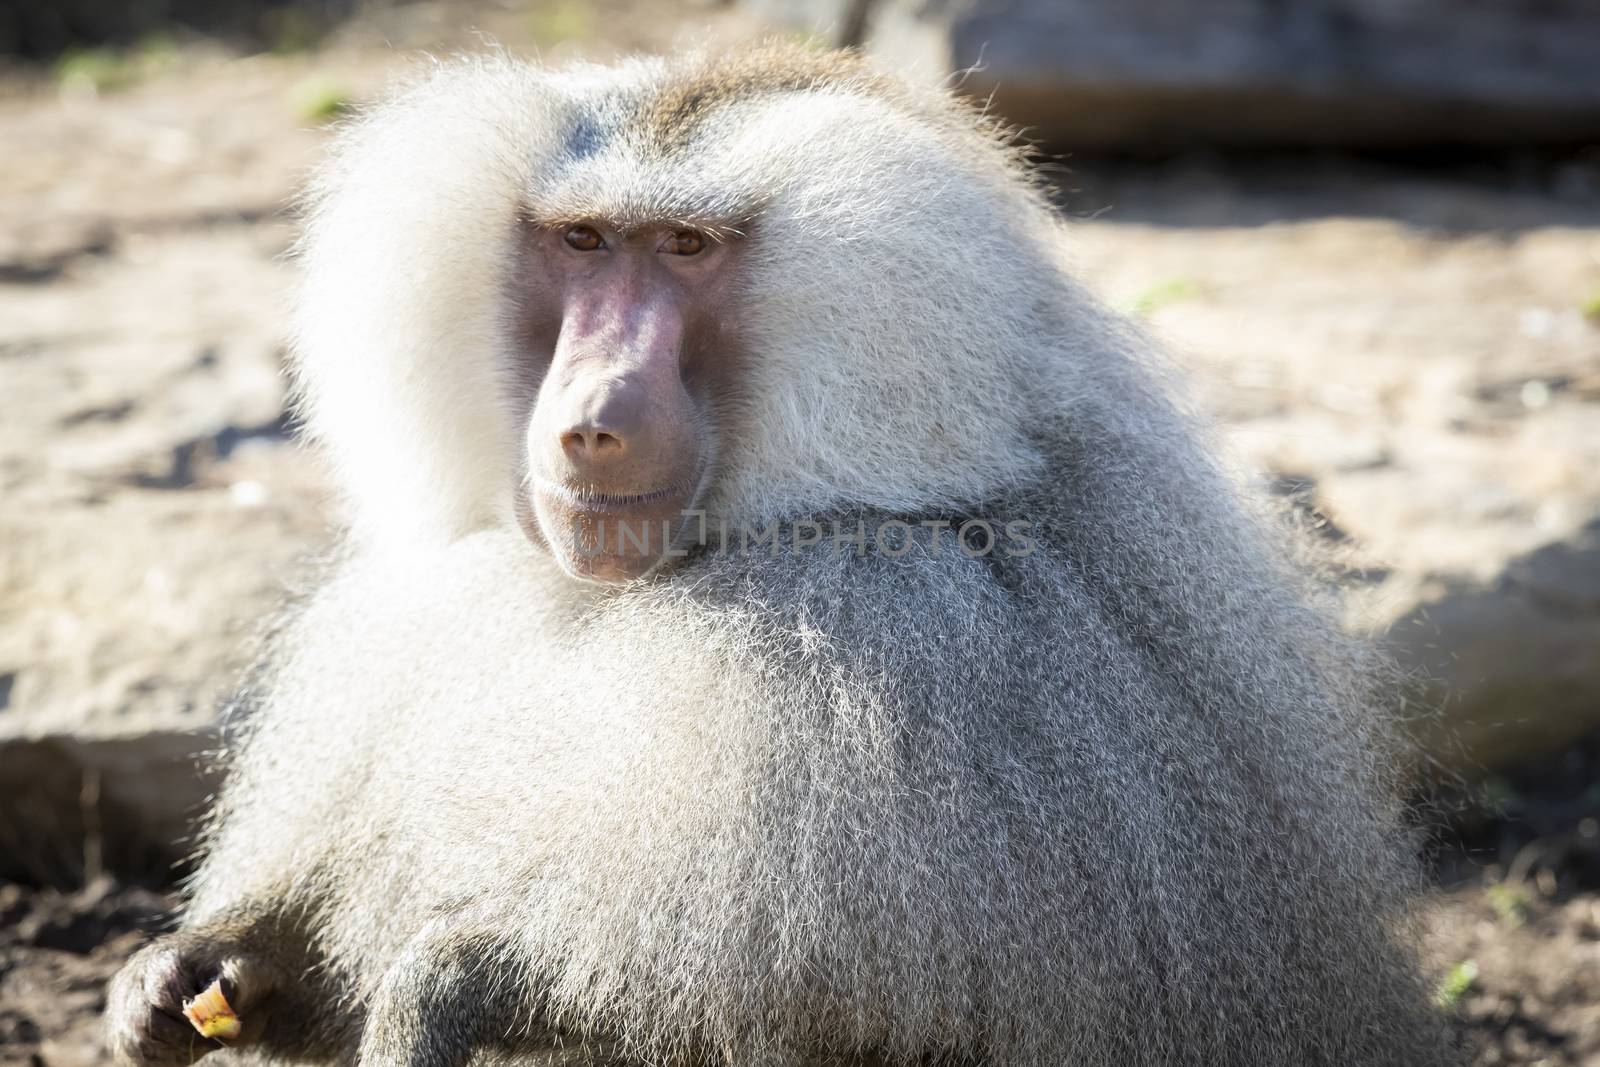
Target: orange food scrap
211,1014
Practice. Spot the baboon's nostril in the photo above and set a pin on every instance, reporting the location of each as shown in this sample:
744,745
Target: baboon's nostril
588,444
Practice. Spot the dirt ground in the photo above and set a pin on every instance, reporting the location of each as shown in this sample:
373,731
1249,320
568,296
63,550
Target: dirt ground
57,950
153,507
1515,939
1514,930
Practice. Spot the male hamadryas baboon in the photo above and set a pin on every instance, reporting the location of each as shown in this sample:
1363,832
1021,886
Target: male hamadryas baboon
785,621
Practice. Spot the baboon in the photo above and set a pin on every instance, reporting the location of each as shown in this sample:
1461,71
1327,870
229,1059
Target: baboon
1002,729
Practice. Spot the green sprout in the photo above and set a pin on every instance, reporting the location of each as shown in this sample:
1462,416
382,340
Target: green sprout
1497,796
92,71
1510,903
1591,308
319,99
95,70
1164,294
562,21
1455,984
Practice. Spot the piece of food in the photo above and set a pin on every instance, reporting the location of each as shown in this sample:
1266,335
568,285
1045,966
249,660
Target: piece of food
211,1014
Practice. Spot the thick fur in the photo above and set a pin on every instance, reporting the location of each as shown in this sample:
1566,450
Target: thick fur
1119,801
889,235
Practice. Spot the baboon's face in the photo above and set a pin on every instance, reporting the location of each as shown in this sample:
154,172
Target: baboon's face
624,351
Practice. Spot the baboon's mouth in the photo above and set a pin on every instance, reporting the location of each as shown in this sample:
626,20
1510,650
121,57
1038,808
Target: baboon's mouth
591,498
603,535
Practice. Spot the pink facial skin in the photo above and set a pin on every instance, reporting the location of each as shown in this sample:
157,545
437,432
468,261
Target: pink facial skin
627,359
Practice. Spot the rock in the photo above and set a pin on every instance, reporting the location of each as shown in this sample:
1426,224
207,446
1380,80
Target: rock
1430,390
1157,73
1515,660
156,512
46,28
80,805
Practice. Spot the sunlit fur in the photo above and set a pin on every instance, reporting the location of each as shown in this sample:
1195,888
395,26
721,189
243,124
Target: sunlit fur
895,256
1121,801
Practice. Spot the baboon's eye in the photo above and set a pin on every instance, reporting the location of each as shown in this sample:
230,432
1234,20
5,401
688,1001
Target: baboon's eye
585,238
684,243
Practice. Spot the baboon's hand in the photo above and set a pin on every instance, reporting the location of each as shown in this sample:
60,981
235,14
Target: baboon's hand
145,1024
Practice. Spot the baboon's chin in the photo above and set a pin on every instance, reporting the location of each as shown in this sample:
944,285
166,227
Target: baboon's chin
606,568
607,543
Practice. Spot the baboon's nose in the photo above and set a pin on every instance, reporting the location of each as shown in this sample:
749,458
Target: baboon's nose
606,423
590,444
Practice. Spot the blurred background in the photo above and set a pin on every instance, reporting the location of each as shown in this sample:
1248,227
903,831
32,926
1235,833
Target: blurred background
1369,230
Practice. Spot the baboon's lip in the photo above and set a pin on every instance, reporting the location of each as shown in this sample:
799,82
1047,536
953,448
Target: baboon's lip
594,499
604,536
